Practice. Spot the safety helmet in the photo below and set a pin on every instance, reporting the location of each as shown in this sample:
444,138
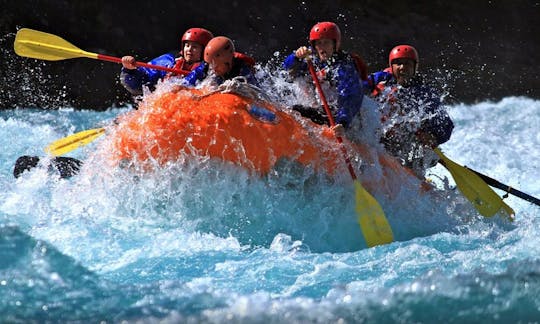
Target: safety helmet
326,29
219,47
198,35
403,51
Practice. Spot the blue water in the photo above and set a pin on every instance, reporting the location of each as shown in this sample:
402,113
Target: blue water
205,242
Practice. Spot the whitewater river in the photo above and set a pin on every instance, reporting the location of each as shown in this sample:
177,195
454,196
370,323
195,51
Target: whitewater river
202,242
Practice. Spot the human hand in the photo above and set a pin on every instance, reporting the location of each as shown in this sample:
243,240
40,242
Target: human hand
339,130
129,62
302,52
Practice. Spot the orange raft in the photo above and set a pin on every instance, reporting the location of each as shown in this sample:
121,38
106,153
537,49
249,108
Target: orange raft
247,132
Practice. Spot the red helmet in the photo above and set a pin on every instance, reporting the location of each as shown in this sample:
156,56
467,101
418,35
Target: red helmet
326,30
219,54
220,46
198,35
403,51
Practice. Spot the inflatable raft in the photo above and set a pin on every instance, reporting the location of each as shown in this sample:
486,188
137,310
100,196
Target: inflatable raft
243,130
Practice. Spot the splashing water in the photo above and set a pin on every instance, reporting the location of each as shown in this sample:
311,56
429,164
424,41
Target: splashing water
200,241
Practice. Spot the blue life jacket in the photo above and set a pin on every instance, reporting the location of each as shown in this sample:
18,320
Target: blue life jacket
418,98
341,72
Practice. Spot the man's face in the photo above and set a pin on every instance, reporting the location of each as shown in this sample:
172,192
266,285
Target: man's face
192,51
403,70
222,63
324,48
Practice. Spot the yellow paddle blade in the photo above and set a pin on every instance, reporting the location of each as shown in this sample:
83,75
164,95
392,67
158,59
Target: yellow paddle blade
371,218
483,198
44,46
72,142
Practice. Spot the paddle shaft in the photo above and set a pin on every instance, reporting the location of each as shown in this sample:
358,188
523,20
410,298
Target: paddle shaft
330,117
495,183
141,64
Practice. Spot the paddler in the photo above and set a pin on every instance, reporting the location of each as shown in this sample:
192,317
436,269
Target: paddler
221,63
193,42
413,118
338,71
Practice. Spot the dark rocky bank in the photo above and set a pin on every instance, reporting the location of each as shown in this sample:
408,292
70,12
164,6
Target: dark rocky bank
481,50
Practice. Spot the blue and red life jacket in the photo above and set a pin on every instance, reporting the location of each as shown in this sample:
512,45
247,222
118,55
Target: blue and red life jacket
134,80
182,64
361,66
243,65
417,98
341,71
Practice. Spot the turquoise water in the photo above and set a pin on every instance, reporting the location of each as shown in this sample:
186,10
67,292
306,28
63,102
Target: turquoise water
204,242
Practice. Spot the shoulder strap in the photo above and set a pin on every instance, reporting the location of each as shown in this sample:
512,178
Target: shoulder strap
245,58
378,89
361,66
179,63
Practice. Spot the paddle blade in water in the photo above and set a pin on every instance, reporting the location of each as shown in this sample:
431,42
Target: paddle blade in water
483,198
44,46
72,142
375,227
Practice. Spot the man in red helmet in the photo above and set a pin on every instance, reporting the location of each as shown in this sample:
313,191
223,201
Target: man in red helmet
402,70
222,62
193,43
337,72
413,118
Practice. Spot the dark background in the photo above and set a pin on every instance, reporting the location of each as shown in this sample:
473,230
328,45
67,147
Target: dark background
480,50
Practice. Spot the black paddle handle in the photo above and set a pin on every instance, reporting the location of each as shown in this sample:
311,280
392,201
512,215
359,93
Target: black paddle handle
495,183
66,167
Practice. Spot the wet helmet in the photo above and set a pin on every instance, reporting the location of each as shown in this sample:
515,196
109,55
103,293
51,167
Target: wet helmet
326,30
219,47
198,35
403,51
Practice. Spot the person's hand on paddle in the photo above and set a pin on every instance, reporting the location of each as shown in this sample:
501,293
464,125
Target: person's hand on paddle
129,62
302,52
339,130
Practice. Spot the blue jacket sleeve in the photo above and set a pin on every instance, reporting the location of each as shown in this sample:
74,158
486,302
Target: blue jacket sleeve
248,72
376,78
439,124
134,80
294,65
445,127
198,74
350,93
